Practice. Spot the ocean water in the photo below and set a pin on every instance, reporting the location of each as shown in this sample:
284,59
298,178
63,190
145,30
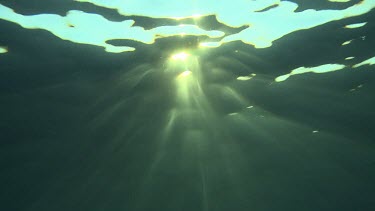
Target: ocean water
194,105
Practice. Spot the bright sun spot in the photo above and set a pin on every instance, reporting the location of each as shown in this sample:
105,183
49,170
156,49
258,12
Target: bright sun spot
196,15
185,73
180,56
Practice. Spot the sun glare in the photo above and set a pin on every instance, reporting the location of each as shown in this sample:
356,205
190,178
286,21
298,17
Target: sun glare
185,74
180,56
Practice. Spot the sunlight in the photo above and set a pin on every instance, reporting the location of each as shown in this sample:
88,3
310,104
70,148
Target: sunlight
261,28
180,56
185,74
3,50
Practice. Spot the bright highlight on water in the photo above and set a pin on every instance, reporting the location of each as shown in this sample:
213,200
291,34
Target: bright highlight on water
264,21
3,50
263,27
180,56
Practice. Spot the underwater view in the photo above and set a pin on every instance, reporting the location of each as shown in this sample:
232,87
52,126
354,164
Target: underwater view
195,105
